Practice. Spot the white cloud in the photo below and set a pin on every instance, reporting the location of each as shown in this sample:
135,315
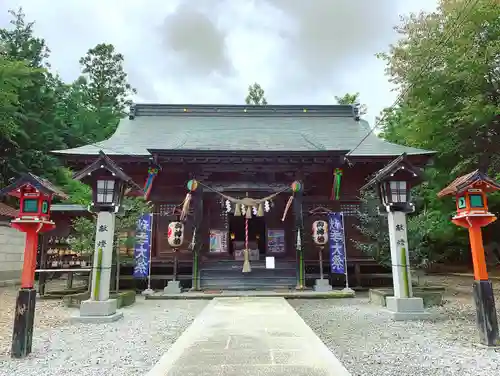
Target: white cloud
209,51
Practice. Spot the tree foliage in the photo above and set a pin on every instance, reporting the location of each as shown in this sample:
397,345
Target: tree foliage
256,95
348,98
449,72
39,112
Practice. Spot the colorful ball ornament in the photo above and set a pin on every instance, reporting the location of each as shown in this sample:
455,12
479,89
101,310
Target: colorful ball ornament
296,186
192,185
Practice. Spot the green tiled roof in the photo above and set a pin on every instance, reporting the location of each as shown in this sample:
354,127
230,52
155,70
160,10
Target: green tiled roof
242,128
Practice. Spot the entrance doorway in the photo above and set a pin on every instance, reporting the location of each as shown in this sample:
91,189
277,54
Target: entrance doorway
256,233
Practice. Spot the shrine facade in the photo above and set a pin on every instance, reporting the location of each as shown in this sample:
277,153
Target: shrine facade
241,151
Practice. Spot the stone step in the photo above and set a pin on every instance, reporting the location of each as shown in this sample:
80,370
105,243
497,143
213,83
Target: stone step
247,283
255,273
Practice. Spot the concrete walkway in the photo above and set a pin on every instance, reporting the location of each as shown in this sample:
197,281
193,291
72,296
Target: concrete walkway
248,336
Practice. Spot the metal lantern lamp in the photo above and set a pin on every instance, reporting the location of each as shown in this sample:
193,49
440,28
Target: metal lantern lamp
394,190
108,183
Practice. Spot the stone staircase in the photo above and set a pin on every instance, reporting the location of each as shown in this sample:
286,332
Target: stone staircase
227,275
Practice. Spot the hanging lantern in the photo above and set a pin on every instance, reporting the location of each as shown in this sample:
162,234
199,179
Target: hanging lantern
175,234
320,232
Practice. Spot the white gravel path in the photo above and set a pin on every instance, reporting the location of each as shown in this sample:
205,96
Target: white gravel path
128,347
369,343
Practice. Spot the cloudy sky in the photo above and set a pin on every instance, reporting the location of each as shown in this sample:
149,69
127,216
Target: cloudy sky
209,51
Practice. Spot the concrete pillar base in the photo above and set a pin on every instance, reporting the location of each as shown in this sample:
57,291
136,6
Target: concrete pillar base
98,311
403,309
322,285
173,287
148,292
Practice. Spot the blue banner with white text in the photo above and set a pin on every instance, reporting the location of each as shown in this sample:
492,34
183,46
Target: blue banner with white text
336,242
142,250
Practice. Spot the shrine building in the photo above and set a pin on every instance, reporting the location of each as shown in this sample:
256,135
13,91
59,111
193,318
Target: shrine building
248,151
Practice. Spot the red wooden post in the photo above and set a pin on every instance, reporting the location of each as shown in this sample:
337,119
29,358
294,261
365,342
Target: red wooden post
35,196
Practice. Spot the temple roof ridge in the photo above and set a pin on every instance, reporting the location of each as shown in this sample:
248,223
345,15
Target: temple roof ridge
205,110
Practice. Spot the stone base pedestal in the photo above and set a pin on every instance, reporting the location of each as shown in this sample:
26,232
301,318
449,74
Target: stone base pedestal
22,337
402,309
173,287
148,292
486,315
322,285
98,311
348,290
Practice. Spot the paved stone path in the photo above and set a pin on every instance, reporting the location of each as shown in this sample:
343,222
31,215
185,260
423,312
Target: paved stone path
248,336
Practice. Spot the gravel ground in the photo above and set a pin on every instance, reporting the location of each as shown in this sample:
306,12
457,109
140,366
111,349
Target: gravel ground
369,343
50,314
128,347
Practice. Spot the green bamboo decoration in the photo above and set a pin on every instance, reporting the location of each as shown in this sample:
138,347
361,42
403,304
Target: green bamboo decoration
405,272
301,272
338,180
98,274
195,270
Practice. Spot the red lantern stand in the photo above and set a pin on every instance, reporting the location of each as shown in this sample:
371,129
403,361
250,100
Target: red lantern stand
35,196
472,213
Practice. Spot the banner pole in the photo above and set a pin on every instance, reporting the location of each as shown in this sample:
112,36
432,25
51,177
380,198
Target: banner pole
148,290
345,253
150,249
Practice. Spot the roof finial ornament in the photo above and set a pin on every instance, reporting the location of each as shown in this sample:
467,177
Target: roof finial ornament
132,112
356,110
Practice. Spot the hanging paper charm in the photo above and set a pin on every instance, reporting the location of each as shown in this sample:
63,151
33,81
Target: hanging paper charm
337,179
267,207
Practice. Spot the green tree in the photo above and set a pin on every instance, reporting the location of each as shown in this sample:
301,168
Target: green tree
40,113
15,76
256,95
449,73
352,99
108,92
34,92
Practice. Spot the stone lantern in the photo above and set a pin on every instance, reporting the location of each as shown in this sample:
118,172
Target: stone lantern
35,197
393,183
108,182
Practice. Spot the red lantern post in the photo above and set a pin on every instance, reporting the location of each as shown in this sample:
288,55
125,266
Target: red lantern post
473,214
35,196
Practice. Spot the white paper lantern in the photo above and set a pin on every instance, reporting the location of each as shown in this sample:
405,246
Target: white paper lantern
320,232
175,234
